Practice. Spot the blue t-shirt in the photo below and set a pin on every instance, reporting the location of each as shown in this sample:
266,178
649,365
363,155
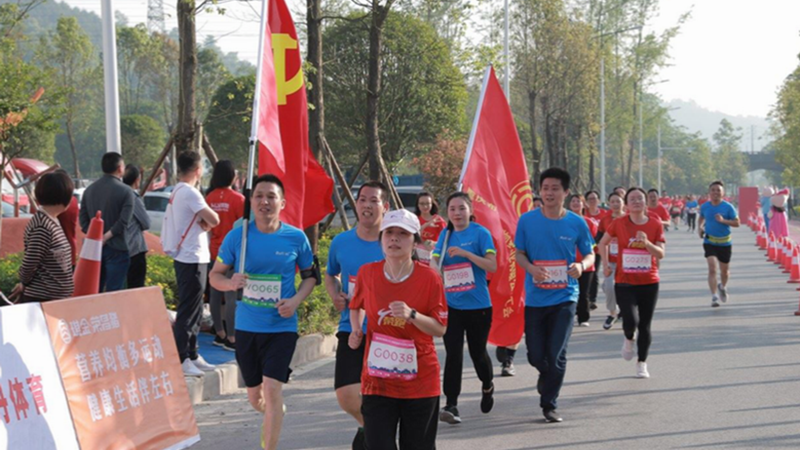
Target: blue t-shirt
272,260
766,204
347,254
465,283
718,233
552,243
692,205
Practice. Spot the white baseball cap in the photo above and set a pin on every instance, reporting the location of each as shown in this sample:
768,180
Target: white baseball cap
402,218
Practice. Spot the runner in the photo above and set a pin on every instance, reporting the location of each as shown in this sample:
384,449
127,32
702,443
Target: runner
546,242
348,252
266,318
537,202
576,205
716,219
404,305
642,243
691,213
617,204
675,210
657,209
432,224
595,214
465,252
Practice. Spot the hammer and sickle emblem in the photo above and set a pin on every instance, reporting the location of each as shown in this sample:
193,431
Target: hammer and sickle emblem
522,197
280,44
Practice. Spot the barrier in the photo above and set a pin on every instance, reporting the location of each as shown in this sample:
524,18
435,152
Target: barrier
87,272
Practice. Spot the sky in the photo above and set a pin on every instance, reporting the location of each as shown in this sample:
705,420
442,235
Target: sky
731,56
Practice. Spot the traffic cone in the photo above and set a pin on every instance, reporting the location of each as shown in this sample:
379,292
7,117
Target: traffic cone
87,272
787,255
771,256
797,313
795,272
762,241
781,253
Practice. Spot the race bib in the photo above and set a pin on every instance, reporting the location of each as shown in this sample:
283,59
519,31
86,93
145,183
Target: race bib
459,277
392,358
423,254
558,274
613,248
636,261
262,290
351,287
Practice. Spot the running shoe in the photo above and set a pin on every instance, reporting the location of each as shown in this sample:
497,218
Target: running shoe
723,293
229,346
487,399
218,341
508,369
714,301
610,320
202,364
593,306
641,370
551,416
627,349
189,369
450,415
584,324
358,441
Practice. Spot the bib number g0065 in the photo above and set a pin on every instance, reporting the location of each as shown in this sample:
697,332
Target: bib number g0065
391,357
262,290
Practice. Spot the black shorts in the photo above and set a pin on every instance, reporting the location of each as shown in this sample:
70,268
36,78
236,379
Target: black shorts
264,355
349,362
722,253
674,215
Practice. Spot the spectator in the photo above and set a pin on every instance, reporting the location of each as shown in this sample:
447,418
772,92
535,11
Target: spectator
137,247
69,223
46,269
229,205
184,236
115,201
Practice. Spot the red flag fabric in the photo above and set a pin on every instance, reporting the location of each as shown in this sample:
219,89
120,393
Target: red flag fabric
309,189
495,176
269,131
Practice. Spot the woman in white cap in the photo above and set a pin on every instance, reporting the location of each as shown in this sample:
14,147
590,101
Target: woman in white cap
403,301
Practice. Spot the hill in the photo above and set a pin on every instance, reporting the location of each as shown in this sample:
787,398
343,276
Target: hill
696,118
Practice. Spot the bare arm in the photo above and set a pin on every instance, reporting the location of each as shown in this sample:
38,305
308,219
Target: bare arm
221,282
333,285
209,216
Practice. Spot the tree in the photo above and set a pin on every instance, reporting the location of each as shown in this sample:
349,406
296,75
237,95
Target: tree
228,122
142,139
730,163
69,54
211,74
786,127
441,165
422,91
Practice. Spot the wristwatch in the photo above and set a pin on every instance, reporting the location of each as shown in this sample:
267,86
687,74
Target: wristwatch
413,314
583,268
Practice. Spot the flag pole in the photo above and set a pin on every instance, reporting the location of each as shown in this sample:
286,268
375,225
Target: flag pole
474,131
253,144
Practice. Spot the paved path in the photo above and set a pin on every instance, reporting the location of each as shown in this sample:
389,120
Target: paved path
721,378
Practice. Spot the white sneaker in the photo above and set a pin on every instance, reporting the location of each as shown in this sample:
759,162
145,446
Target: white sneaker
714,301
189,369
627,349
584,324
641,370
201,364
723,292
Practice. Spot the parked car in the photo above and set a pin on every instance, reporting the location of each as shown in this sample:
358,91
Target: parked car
408,195
8,211
156,205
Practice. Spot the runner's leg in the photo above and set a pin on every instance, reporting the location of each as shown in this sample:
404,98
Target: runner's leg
583,297
381,416
626,299
454,361
647,296
712,274
477,335
273,411
724,273
418,424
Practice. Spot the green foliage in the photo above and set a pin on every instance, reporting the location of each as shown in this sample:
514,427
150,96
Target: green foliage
786,127
316,313
9,267
730,164
211,74
142,139
161,273
423,92
442,165
228,122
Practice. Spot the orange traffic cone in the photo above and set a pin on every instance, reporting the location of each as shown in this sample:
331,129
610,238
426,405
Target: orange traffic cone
771,254
795,272
87,272
787,255
797,313
762,241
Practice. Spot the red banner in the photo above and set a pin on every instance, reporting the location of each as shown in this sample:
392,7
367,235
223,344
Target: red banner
309,189
495,176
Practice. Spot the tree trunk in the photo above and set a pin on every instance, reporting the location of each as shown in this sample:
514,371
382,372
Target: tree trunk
68,126
316,115
591,172
535,152
184,135
379,14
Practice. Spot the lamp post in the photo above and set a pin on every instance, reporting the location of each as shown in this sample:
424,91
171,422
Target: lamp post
660,149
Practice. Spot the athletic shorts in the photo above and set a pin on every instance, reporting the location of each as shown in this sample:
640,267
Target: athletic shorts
264,355
722,253
349,362
674,215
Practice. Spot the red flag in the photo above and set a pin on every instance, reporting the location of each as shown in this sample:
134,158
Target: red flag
309,189
495,176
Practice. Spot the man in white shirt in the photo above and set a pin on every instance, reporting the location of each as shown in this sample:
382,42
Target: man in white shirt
187,220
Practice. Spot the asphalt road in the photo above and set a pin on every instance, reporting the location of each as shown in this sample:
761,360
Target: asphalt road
726,377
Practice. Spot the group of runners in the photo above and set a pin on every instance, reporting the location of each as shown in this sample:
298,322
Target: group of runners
401,279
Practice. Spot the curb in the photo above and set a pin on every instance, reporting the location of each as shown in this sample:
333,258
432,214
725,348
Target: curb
226,378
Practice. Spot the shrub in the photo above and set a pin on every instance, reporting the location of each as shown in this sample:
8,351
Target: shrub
161,272
8,272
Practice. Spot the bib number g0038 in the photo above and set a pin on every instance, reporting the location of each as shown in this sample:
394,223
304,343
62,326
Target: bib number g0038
391,357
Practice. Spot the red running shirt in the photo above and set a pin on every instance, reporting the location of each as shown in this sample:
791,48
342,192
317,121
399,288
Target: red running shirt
432,232
659,211
603,228
635,264
422,291
601,213
593,230
229,205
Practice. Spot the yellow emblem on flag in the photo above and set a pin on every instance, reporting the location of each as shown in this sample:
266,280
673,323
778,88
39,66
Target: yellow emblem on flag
522,197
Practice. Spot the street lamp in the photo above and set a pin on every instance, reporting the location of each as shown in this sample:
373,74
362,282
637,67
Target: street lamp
660,148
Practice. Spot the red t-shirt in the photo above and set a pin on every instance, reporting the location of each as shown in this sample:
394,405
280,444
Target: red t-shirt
604,224
659,211
432,232
666,201
593,230
422,291
69,223
597,217
229,205
636,265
